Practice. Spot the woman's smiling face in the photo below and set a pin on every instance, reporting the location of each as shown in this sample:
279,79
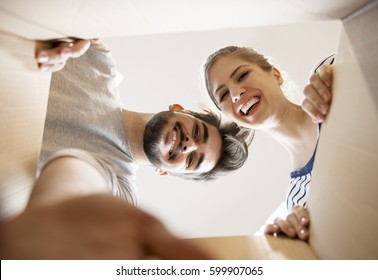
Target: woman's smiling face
243,91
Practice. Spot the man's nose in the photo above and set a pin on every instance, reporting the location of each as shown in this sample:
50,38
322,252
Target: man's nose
189,145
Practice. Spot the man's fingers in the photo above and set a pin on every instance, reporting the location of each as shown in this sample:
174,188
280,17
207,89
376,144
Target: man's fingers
61,52
79,47
51,56
51,67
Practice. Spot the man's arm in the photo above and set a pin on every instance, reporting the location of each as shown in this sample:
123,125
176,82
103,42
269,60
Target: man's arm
67,177
64,221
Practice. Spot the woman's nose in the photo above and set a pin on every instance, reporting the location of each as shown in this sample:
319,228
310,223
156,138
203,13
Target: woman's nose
236,93
189,145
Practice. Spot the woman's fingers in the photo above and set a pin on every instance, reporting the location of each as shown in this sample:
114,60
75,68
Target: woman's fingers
318,96
313,104
272,229
299,220
295,225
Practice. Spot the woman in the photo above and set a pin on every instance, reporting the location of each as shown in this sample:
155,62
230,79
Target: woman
247,89
53,59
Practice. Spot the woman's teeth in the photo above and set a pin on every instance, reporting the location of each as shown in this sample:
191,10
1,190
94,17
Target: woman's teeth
248,106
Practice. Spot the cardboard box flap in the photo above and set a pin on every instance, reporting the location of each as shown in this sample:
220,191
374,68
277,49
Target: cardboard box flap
23,98
344,191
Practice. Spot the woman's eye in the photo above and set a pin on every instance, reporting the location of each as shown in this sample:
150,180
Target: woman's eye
189,160
223,96
242,76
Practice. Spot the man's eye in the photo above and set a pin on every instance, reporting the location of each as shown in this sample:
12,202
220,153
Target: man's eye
242,76
189,160
195,132
223,96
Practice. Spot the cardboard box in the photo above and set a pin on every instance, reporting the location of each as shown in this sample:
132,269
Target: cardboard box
344,191
256,248
23,99
342,204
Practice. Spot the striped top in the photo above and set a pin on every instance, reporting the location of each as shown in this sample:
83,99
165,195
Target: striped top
299,185
300,179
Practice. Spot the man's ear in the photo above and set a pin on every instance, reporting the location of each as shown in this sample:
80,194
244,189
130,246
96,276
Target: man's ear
176,107
277,75
160,172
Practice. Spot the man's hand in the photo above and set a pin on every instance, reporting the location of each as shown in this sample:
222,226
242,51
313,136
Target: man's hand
53,55
90,227
318,94
295,225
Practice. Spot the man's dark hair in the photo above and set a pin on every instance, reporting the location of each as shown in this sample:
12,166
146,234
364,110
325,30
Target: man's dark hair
234,151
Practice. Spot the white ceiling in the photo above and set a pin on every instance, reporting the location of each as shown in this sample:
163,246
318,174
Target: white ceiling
81,18
164,16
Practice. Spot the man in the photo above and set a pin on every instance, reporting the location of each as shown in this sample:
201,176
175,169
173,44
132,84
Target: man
91,148
86,121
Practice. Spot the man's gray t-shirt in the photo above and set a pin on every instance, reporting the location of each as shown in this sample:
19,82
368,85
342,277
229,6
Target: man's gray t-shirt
84,117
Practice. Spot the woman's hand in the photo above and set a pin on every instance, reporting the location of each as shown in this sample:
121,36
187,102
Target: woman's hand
52,56
318,94
295,225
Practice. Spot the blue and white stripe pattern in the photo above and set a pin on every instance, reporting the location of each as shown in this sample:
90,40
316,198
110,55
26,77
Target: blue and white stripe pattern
298,190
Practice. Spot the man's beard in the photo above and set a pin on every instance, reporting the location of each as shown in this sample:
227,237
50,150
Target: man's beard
153,134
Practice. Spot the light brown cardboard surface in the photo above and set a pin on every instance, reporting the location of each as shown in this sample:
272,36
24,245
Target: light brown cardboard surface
344,191
12,24
256,248
23,99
